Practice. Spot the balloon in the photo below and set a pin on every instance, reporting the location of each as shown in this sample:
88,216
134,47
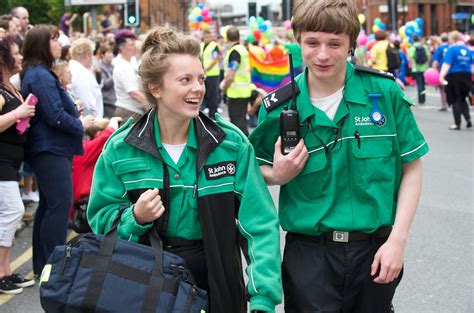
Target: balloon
361,18
377,21
260,20
419,32
287,24
268,23
263,27
371,37
375,28
406,42
205,11
401,31
409,30
207,18
193,25
192,17
204,26
269,33
197,11
382,26
370,44
362,39
290,33
264,42
200,5
419,21
199,18
257,34
431,77
250,38
252,19
253,25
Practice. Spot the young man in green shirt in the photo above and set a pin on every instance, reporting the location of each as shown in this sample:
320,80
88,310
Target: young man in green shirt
350,188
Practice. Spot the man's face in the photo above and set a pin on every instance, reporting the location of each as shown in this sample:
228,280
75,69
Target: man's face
325,54
24,18
207,38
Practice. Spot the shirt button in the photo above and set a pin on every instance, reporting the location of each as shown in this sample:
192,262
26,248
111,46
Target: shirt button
176,176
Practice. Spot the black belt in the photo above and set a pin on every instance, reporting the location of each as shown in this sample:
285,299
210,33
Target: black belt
170,242
344,236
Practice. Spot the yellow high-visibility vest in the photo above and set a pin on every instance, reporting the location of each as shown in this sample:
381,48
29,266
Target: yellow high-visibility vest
206,57
240,87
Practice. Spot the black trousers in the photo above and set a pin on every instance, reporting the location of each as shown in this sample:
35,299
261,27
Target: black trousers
195,260
238,113
329,277
212,94
458,88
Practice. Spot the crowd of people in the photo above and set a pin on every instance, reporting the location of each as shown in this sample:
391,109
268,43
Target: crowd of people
449,55
349,187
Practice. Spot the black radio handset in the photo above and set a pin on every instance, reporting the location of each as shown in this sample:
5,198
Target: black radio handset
289,119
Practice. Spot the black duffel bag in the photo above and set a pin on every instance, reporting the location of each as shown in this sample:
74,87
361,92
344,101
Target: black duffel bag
94,273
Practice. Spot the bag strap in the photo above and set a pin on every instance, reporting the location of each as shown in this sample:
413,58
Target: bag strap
155,285
99,270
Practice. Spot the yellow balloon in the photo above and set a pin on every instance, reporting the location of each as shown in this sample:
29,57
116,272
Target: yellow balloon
197,11
375,28
204,26
361,18
406,42
401,31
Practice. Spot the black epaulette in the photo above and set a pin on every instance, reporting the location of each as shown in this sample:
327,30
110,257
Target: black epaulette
279,96
374,71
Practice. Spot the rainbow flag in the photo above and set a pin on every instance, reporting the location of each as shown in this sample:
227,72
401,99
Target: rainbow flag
269,75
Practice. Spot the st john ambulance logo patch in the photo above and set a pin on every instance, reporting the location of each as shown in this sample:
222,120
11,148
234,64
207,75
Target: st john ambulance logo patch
220,170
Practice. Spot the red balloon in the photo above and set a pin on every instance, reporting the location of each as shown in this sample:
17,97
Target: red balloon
257,34
207,18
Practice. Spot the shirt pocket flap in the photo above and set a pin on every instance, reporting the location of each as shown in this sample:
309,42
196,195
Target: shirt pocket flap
131,165
372,148
316,162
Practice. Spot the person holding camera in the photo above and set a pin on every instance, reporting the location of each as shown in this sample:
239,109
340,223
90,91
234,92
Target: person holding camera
350,186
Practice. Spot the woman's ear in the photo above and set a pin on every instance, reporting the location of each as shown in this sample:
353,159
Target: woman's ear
154,90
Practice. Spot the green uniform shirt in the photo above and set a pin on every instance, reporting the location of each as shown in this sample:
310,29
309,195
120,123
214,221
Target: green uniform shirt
353,183
183,221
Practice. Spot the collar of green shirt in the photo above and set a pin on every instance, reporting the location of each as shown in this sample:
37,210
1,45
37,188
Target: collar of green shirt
354,93
192,140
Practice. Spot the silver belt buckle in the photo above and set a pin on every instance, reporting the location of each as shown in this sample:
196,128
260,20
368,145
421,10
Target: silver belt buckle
340,236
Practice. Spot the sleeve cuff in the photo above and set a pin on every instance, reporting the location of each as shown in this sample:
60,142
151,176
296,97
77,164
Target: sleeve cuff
261,303
130,225
415,153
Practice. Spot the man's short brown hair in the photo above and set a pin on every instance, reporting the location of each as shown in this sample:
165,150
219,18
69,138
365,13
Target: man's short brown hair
328,16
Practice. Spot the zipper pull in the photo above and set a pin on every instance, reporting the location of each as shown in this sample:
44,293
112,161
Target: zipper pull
68,252
195,190
357,136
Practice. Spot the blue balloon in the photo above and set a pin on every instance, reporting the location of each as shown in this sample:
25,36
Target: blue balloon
199,18
371,37
200,5
409,30
263,27
419,32
192,17
419,21
382,26
410,40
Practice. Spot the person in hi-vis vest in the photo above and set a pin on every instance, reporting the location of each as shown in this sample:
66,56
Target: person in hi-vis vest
210,55
237,80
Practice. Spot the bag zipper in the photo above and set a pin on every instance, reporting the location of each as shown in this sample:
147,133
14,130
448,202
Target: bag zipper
67,256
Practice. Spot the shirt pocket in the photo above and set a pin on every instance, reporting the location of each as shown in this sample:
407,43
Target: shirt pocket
136,173
373,161
314,179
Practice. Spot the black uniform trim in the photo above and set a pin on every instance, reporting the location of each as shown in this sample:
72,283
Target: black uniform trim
374,71
279,96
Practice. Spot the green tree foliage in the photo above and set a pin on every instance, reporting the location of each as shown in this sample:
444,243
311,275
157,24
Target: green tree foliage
44,11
